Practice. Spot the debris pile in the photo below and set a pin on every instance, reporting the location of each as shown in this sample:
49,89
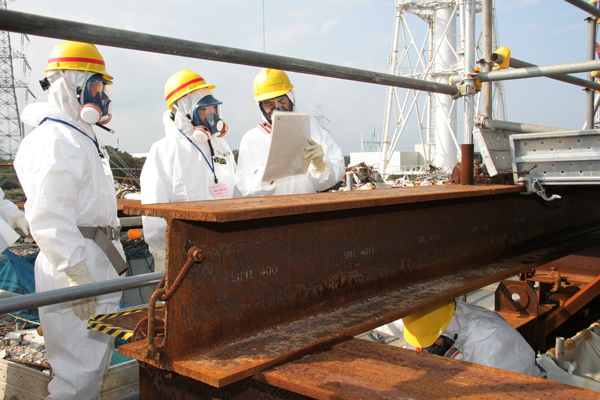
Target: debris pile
364,178
433,176
24,347
125,190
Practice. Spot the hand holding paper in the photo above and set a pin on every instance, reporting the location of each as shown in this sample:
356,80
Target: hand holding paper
314,154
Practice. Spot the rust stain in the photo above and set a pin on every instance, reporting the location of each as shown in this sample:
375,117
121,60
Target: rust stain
272,289
277,206
359,369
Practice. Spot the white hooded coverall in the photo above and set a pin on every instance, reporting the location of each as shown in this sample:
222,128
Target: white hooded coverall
252,159
483,337
68,185
176,171
9,210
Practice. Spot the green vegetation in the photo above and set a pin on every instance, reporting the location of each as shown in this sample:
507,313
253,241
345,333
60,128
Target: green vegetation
15,193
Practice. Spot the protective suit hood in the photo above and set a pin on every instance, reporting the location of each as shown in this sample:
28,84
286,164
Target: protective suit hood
454,326
62,100
183,107
62,93
181,124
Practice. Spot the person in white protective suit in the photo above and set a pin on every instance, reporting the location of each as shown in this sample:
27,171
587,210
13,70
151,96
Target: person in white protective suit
192,162
12,215
64,171
467,332
273,92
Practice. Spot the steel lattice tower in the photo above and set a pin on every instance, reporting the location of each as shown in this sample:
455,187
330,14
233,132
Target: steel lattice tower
434,57
11,128
320,118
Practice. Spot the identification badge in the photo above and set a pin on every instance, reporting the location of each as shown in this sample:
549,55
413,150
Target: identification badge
220,160
219,190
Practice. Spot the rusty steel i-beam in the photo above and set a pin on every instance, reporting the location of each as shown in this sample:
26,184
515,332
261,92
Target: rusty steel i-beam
284,276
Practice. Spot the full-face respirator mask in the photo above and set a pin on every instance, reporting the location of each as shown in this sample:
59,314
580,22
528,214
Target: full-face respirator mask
92,100
440,350
205,117
95,100
206,120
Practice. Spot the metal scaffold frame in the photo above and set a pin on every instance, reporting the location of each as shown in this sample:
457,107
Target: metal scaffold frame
436,114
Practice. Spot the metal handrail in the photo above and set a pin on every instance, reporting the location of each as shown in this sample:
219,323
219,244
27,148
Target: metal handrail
516,63
585,6
542,70
34,300
15,21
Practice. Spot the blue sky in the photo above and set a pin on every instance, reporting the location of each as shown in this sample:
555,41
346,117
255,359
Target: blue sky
345,32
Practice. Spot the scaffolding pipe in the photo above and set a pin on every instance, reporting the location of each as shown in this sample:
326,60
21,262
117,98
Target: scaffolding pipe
591,56
41,299
390,96
15,21
532,72
486,90
468,148
517,127
516,63
585,7
560,352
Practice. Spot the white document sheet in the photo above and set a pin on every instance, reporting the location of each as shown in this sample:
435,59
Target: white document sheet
290,135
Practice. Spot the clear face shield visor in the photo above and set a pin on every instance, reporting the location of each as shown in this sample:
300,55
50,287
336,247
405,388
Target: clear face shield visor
207,112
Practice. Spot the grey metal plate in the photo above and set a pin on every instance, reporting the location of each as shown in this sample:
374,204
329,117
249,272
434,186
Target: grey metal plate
557,158
494,147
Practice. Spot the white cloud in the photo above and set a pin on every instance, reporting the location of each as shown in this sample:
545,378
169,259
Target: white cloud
330,23
531,27
568,28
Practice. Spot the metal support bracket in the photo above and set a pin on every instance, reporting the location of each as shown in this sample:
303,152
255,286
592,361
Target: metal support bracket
534,186
465,84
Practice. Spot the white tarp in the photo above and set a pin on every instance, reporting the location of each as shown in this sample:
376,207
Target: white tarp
557,374
585,355
582,362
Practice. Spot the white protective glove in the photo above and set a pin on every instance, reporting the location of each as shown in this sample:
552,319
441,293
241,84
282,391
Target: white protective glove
80,275
264,188
160,260
22,224
314,154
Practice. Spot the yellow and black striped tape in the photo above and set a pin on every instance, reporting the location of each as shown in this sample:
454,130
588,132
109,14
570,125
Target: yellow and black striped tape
111,330
99,323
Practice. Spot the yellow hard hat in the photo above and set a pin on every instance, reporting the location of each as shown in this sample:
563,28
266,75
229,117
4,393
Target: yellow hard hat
77,56
425,327
271,83
182,83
